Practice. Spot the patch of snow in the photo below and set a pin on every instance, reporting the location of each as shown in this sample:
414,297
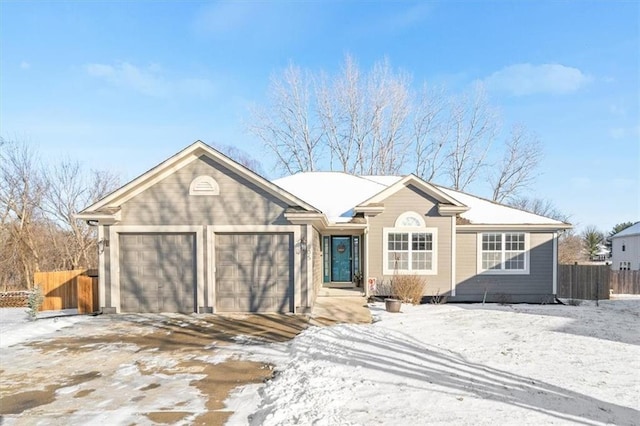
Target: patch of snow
462,364
334,193
483,211
16,327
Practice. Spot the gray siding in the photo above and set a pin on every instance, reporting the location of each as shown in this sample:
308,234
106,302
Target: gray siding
412,199
168,202
537,286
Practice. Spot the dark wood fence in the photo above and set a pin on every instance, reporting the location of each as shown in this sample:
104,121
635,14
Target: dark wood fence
590,282
68,290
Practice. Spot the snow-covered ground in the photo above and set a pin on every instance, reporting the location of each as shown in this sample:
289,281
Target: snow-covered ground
15,326
465,364
460,364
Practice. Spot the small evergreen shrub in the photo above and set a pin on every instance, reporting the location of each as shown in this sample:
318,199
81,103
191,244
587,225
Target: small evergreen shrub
34,301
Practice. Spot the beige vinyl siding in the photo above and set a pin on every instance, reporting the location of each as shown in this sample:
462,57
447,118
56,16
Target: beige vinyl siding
412,199
535,286
168,202
317,265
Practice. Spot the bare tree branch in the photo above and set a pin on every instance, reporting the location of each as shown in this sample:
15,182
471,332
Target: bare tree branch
516,171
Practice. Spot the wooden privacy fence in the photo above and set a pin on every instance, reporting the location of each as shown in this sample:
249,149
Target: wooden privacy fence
69,290
587,282
625,282
592,282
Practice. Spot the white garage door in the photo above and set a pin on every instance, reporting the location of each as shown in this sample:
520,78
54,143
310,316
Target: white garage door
254,272
157,273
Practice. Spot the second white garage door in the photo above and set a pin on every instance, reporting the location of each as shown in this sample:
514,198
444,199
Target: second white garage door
254,272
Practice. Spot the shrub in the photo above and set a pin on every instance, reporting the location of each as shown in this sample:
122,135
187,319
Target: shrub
438,299
574,302
408,288
34,302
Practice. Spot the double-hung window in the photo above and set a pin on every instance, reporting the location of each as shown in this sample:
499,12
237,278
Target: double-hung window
410,247
503,253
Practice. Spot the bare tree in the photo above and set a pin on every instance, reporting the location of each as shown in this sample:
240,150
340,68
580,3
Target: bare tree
539,206
570,248
388,100
516,171
242,157
372,122
70,188
21,191
474,126
287,125
430,132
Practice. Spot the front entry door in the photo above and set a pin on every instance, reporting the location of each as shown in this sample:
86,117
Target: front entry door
341,259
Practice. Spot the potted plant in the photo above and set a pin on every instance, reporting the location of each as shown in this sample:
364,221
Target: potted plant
357,279
392,304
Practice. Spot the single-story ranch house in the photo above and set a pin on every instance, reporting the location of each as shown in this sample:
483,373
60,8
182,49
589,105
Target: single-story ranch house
202,233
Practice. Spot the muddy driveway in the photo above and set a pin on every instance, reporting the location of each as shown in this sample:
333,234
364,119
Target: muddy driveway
138,369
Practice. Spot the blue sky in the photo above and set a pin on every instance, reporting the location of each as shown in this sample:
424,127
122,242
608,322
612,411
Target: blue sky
123,85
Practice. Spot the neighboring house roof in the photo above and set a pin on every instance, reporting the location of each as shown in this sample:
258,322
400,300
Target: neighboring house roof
336,194
628,232
109,205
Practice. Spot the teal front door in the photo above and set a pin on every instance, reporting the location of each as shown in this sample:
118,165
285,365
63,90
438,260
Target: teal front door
341,259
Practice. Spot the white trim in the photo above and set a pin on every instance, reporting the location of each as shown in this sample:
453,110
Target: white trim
454,242
555,263
410,215
309,263
527,250
179,160
204,185
404,182
514,227
410,230
114,267
101,270
365,258
211,268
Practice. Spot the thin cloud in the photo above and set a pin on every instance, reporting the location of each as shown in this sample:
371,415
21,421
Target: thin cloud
528,79
25,65
149,81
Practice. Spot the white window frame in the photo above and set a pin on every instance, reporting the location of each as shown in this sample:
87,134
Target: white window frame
527,250
410,231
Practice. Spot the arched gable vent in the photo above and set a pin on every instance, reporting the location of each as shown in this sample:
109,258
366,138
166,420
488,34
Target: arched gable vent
204,185
410,220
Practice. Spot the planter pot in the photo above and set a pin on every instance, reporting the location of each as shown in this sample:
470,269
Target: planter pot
392,305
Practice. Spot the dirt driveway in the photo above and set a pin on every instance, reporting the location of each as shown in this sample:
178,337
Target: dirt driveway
137,369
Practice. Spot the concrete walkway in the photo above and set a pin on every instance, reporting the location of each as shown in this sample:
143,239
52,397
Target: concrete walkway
334,306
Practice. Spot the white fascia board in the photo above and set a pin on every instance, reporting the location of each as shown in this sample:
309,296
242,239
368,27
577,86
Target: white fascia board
180,160
412,179
101,217
512,227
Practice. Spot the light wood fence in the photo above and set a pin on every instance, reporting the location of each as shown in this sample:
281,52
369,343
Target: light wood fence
68,290
625,282
591,282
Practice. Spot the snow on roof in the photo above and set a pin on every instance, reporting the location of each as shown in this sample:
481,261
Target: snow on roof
627,232
482,211
334,193
337,193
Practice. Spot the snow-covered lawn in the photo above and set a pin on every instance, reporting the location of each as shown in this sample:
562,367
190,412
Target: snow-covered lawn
464,365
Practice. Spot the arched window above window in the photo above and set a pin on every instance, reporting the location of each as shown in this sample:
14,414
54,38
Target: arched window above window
410,220
204,185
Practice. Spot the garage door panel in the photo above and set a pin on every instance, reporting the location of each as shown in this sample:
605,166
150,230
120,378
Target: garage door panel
157,272
254,272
